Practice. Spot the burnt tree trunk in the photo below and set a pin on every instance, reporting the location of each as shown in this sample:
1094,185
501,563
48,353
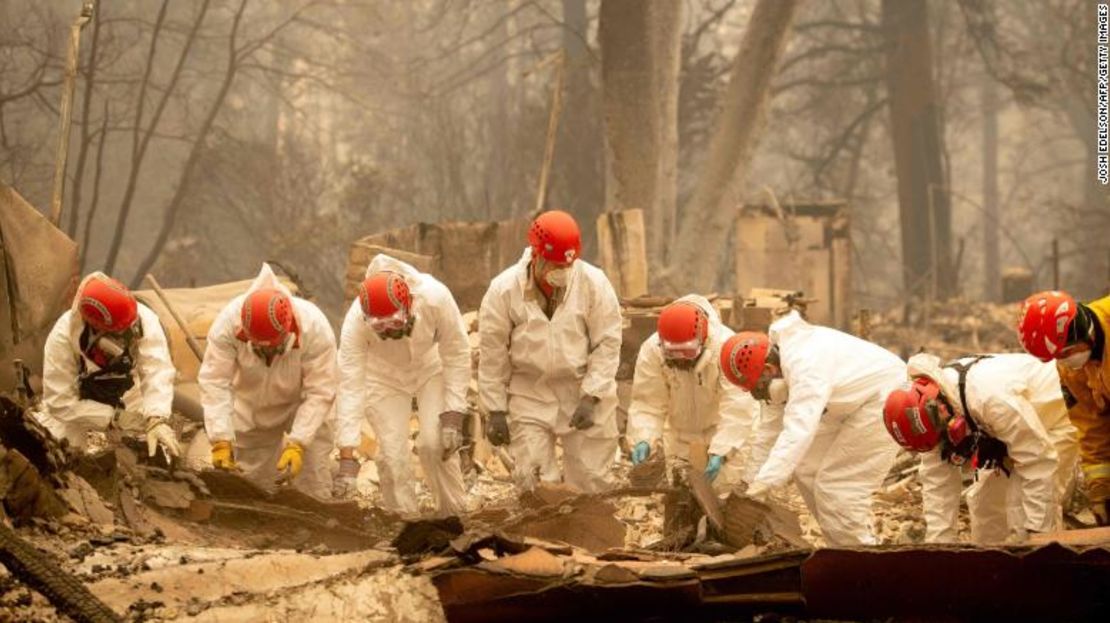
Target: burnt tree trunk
706,220
640,53
923,203
579,175
991,271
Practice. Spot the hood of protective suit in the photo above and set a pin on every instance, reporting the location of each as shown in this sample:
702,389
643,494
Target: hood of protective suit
705,305
929,366
74,305
382,262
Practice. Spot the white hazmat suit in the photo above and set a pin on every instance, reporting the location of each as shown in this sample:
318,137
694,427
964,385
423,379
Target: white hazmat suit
538,369
69,417
1016,399
685,406
829,434
379,378
255,406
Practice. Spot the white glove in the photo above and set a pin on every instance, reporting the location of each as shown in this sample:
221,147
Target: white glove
158,432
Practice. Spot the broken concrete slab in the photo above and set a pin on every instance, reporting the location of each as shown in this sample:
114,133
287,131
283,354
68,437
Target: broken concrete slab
167,494
84,500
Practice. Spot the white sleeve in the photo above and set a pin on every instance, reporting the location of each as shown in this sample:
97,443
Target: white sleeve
809,393
351,398
650,396
59,371
495,329
156,371
217,371
767,430
941,484
737,409
1014,422
319,377
454,352
603,325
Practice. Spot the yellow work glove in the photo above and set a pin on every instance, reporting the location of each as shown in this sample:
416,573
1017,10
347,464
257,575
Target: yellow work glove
222,456
292,458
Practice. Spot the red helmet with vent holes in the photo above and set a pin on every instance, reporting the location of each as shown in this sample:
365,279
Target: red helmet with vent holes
267,317
555,237
383,294
743,357
107,305
1044,323
916,417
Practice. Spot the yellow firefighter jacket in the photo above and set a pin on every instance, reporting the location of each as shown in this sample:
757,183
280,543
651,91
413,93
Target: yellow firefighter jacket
1089,408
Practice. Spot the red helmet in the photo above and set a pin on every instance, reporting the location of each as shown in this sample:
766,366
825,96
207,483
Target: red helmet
743,356
267,317
916,417
383,294
683,327
555,237
107,304
1044,323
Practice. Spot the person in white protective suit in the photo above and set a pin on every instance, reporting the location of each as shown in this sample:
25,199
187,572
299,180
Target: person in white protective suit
679,396
91,359
822,419
267,385
402,339
550,338
1004,417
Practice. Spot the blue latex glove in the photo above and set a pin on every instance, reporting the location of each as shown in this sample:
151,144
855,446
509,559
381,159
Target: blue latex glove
640,452
713,467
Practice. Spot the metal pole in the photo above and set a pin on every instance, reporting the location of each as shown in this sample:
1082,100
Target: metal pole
66,110
189,339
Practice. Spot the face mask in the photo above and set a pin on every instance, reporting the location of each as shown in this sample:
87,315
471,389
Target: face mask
558,277
269,353
394,327
762,389
1076,360
777,392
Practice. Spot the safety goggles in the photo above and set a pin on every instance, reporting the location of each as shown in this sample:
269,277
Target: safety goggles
393,322
682,351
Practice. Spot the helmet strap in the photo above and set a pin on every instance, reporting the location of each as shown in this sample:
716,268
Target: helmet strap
1086,329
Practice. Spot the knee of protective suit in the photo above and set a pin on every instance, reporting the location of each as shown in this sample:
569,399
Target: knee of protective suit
90,415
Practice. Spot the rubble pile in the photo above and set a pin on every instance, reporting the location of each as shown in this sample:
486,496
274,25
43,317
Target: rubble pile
947,329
